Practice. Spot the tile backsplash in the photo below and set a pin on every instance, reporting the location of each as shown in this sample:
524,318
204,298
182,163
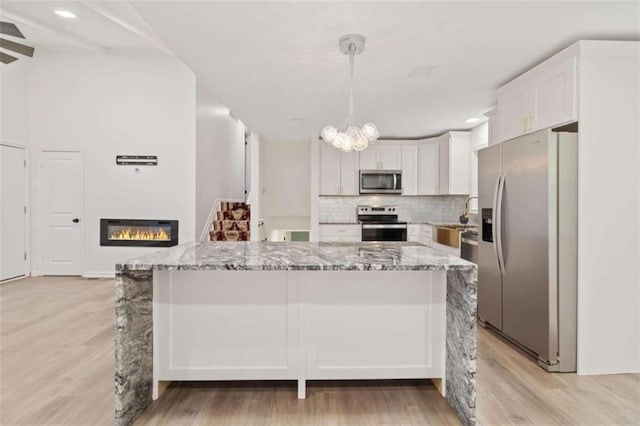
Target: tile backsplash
436,209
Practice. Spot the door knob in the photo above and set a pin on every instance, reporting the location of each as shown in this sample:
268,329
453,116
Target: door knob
75,220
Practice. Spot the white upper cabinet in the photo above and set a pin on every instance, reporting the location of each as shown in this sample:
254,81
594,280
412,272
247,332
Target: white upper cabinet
369,158
349,173
552,96
513,107
390,156
543,97
455,163
434,166
329,170
381,156
338,171
409,170
429,167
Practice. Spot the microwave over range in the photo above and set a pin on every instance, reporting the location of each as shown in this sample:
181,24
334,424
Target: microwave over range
380,182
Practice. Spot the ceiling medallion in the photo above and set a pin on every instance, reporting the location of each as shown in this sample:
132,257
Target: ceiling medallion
349,135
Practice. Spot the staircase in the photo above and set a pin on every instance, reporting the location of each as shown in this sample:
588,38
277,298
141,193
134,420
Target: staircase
232,222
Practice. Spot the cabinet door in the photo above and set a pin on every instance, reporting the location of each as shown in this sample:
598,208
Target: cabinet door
390,156
349,173
369,158
329,170
513,110
428,168
444,165
553,96
409,170
459,163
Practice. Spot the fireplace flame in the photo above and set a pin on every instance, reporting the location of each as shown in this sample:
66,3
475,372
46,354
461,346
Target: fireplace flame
157,234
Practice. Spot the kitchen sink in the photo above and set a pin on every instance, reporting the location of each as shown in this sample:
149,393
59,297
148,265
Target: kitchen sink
457,226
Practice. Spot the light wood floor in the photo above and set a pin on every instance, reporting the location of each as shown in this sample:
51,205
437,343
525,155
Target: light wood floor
56,367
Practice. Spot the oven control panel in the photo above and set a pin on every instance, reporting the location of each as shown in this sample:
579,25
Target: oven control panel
374,210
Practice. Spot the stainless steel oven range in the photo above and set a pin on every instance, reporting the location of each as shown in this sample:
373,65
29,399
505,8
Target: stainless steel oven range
380,223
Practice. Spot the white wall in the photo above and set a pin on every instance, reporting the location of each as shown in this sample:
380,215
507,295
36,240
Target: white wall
13,106
104,105
254,197
219,156
14,127
285,182
609,208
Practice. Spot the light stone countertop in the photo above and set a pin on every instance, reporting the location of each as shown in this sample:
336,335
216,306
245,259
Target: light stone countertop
296,256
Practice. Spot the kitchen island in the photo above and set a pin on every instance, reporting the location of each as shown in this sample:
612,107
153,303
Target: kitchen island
294,311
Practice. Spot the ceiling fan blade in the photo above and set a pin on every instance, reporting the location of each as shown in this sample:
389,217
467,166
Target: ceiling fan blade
7,59
7,28
16,47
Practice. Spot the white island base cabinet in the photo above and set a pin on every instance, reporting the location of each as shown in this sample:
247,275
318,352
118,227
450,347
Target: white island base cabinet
298,325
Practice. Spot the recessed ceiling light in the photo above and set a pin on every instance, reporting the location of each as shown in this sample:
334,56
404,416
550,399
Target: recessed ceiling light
219,110
472,120
65,14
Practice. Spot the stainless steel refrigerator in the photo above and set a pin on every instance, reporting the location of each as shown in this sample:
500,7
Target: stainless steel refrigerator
527,250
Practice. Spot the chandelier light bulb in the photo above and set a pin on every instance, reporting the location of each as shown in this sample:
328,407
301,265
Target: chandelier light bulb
329,133
360,143
370,131
347,144
341,140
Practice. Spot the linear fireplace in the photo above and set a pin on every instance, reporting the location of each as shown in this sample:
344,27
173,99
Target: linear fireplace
138,232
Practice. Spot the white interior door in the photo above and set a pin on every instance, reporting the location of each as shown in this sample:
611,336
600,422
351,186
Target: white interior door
13,225
61,197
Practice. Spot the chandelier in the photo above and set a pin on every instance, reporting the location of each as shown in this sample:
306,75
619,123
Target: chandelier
349,135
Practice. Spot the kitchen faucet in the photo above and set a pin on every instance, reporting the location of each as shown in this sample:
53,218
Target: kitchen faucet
465,215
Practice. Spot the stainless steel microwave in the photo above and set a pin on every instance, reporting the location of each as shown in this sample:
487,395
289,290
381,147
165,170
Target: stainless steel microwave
380,181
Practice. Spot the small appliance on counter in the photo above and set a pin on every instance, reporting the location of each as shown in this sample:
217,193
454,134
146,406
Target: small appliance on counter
380,223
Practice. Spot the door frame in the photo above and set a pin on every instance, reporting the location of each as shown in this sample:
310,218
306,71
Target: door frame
27,200
42,214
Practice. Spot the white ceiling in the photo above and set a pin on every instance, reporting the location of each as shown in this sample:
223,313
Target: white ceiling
100,26
277,66
427,66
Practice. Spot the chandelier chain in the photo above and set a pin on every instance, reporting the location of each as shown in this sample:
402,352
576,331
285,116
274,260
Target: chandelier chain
352,56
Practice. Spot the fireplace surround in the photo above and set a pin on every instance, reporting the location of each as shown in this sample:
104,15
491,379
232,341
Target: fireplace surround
138,232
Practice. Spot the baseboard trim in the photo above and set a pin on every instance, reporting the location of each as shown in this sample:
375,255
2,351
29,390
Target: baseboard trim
99,275
10,280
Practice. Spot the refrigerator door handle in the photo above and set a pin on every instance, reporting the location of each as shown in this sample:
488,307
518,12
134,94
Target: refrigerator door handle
498,224
494,221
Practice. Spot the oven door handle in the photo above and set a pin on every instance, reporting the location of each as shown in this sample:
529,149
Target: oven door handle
383,226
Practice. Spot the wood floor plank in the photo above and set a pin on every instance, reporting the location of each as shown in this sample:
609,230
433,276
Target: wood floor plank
56,367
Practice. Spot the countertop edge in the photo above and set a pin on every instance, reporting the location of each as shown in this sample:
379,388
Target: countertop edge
276,267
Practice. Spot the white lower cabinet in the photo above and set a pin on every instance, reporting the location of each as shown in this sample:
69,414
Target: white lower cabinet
340,233
298,325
